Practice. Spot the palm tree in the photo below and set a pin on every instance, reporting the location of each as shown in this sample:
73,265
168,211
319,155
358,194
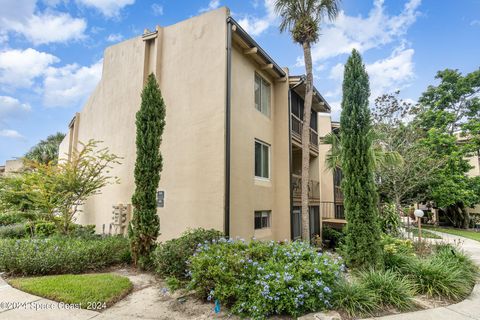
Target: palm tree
46,151
302,19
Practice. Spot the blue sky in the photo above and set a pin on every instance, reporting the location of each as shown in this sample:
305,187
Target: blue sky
51,50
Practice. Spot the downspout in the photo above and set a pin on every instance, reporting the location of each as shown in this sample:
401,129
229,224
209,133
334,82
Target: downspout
290,166
227,129
290,152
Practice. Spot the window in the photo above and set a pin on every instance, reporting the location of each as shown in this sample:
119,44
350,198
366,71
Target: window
262,95
262,219
262,162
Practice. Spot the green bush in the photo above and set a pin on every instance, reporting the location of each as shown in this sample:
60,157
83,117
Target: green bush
446,273
170,258
13,231
335,236
14,217
259,279
355,298
391,288
60,255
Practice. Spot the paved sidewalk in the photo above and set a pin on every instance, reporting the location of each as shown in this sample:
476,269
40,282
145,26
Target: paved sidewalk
467,309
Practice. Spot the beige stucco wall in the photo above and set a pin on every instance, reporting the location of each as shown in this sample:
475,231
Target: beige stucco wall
474,172
326,175
247,192
12,166
189,61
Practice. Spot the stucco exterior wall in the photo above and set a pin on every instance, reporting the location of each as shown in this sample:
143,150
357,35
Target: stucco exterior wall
189,59
325,174
247,192
192,76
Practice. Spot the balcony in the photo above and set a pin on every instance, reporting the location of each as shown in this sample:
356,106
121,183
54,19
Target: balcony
332,211
297,126
313,188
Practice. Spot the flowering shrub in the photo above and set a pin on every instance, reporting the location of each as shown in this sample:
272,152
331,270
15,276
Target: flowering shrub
258,279
170,258
59,255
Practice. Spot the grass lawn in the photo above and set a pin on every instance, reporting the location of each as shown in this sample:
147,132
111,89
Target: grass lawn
90,291
425,234
458,232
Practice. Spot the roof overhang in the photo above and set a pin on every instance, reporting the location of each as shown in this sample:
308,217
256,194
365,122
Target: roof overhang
250,47
319,104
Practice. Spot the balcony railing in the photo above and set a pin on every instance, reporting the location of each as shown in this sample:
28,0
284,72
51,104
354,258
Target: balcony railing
297,126
338,194
313,187
330,210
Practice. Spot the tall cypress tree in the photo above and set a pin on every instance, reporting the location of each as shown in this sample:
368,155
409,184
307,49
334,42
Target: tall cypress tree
358,186
150,122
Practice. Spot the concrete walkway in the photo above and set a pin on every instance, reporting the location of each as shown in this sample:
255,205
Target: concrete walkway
467,309
148,301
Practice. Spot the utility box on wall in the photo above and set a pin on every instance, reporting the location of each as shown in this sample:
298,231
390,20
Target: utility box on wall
121,216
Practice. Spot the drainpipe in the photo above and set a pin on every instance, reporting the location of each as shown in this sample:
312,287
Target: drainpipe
290,152
227,129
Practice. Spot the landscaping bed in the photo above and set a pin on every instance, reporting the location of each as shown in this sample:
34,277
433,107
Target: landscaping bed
263,279
87,291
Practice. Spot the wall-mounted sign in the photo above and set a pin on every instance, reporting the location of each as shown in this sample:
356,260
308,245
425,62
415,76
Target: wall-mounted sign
160,199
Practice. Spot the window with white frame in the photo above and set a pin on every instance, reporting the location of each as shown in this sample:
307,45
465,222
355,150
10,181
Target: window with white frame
262,219
262,160
262,95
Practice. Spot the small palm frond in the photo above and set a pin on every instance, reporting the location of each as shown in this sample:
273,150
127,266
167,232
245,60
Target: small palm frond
332,159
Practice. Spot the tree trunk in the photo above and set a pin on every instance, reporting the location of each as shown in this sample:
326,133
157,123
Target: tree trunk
306,142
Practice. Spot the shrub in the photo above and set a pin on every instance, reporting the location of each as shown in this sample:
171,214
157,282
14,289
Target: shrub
259,279
170,258
355,298
391,288
335,236
59,255
13,231
390,219
14,217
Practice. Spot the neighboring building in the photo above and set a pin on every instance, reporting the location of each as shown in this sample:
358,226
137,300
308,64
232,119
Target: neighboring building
232,142
11,166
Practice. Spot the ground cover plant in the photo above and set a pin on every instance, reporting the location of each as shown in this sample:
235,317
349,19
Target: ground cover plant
59,255
89,291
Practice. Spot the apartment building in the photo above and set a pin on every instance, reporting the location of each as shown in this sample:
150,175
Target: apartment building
232,142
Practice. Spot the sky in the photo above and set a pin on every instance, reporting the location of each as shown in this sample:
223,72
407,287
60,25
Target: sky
51,50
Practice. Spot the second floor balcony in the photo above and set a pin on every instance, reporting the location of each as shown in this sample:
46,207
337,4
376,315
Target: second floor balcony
297,127
313,188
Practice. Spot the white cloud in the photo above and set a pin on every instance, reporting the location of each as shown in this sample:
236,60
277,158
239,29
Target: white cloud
114,37
19,68
39,27
213,4
257,25
375,30
109,8
51,27
336,73
8,133
71,84
11,107
392,73
157,9
475,23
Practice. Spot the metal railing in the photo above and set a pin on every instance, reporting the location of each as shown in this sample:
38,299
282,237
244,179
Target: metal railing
313,187
297,126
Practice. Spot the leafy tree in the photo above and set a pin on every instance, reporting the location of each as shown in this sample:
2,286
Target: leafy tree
358,185
150,121
60,190
302,19
46,150
449,114
402,182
